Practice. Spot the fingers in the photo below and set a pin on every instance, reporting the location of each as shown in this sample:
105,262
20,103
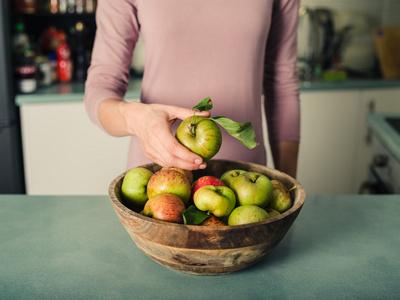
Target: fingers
183,113
153,129
161,147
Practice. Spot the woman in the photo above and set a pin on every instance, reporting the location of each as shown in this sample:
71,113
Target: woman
232,51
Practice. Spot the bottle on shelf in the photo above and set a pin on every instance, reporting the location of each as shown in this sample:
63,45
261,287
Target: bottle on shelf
25,73
21,42
54,6
25,6
79,36
64,62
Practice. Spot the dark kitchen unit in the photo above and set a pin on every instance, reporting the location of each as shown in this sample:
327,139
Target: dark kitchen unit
11,166
27,69
384,169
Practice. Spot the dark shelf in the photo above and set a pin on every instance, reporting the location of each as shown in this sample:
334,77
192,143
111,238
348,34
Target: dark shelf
56,15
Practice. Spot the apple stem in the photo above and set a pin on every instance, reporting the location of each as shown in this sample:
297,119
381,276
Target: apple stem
292,188
192,130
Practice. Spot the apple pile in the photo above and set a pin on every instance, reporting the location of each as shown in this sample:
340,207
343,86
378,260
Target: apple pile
237,197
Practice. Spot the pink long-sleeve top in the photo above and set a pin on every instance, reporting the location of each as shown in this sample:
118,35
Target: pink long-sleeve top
230,50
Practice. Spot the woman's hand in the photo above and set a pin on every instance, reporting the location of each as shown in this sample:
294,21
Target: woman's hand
151,123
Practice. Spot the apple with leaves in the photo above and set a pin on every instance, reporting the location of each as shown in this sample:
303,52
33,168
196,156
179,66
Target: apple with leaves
218,200
170,182
252,188
164,207
134,187
246,214
202,135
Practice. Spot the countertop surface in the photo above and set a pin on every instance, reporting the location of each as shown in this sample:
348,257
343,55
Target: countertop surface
74,247
389,137
73,92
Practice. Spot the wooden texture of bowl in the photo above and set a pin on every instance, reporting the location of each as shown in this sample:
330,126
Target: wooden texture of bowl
204,250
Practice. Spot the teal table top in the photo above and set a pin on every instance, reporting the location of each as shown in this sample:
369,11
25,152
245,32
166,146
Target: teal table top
388,136
72,247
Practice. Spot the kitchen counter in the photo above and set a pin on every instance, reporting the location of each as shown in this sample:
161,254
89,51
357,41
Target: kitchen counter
66,92
389,137
74,247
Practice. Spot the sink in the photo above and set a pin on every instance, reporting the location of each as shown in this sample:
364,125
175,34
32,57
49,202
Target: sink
395,123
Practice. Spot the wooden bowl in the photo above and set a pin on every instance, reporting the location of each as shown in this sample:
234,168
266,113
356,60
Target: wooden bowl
208,250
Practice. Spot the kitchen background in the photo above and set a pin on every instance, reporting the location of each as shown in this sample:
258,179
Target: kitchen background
48,145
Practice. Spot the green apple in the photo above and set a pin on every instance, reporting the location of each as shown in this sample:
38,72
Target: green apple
188,173
170,182
272,212
134,187
281,199
229,175
200,135
252,188
202,181
165,207
246,214
218,200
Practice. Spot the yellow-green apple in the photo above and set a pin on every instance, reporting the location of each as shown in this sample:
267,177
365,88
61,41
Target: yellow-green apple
246,214
202,181
200,135
164,207
218,200
188,173
252,188
280,200
169,182
229,175
272,212
134,187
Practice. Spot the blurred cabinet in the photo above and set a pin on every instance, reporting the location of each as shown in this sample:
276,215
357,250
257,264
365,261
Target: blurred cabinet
66,154
335,140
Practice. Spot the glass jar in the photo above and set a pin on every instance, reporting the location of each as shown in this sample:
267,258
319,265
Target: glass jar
25,74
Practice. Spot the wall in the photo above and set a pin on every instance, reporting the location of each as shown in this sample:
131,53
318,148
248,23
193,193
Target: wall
382,13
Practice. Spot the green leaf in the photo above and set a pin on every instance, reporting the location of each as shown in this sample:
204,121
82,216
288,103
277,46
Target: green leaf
204,105
193,216
244,132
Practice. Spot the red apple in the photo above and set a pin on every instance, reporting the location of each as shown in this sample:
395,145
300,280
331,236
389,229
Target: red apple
188,173
168,181
164,207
